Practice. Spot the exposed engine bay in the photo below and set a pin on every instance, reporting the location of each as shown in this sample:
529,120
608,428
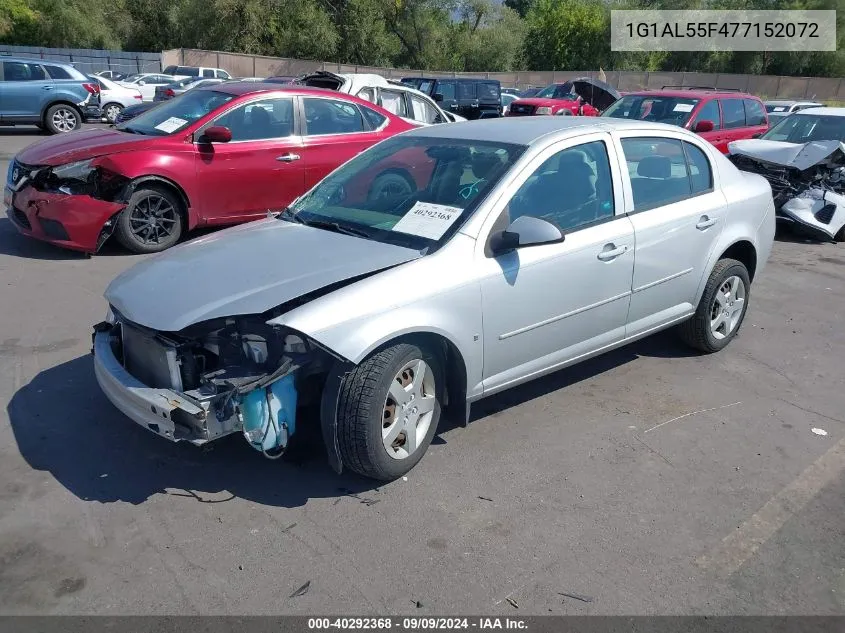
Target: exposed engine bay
238,375
808,182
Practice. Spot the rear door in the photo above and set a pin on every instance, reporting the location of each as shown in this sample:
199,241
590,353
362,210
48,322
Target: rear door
489,99
25,91
334,131
467,96
755,117
678,214
258,170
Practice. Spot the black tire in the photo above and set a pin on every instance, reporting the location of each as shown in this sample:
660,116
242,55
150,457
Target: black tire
696,332
62,118
840,235
362,410
139,206
391,185
111,111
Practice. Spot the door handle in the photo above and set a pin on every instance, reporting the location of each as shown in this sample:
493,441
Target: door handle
46,87
611,251
288,158
705,222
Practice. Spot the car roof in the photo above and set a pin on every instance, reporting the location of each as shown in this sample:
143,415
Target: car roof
527,130
789,102
36,60
691,94
824,111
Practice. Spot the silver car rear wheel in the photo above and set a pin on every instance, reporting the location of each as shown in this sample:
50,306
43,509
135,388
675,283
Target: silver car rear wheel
727,308
112,111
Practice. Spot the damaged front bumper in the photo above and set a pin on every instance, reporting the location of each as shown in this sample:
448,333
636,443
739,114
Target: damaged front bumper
162,411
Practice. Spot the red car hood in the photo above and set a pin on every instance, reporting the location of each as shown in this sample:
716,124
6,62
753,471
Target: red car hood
541,101
67,148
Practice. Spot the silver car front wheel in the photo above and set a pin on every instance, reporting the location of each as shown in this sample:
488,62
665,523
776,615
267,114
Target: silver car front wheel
388,410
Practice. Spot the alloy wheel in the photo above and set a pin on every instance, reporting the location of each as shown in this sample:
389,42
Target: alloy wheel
728,304
65,120
408,409
153,219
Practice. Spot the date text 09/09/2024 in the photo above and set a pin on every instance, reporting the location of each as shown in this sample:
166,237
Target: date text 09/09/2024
417,623
700,30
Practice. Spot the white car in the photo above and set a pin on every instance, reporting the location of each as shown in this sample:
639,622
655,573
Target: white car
115,97
394,96
201,72
777,110
522,246
803,157
147,83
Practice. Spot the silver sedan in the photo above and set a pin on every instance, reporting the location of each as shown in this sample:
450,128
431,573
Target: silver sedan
441,266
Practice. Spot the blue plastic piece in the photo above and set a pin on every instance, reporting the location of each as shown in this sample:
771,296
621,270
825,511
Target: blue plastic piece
269,415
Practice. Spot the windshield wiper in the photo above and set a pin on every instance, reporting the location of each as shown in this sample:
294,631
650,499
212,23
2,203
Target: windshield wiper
289,215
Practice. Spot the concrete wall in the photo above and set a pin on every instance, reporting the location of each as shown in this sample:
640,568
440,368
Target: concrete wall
765,85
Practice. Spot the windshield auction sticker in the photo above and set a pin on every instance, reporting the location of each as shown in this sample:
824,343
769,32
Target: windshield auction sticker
171,125
426,219
708,30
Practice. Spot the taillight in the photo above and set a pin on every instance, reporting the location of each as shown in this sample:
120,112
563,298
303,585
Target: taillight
138,96
169,92
94,89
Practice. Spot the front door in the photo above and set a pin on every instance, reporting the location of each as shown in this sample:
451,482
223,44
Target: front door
544,306
260,169
24,91
678,215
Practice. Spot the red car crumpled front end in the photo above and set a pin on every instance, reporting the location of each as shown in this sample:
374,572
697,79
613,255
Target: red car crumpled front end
78,222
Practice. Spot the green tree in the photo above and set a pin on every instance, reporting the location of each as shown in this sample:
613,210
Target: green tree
18,21
568,35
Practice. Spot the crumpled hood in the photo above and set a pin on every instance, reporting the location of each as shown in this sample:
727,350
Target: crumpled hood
248,269
800,156
82,145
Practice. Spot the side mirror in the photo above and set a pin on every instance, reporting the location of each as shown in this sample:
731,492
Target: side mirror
703,126
438,97
142,83
525,231
216,134
757,135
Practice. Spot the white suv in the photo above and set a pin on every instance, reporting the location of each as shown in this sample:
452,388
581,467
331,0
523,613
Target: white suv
183,72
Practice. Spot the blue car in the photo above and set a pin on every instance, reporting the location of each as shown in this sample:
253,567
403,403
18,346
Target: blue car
51,95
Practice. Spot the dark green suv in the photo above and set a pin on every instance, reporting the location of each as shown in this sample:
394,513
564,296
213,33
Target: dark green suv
467,97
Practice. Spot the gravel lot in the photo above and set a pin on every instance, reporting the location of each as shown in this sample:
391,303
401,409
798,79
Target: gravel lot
652,480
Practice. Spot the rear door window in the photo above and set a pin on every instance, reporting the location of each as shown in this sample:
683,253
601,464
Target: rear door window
754,113
733,113
187,70
330,116
57,72
207,72
488,91
466,91
393,102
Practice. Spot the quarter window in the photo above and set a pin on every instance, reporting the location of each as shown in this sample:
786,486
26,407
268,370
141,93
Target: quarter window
664,171
754,113
329,116
21,71
573,188
733,113
375,119
367,94
259,120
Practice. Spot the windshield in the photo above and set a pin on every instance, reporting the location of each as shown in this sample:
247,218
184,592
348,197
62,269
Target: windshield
803,128
558,91
410,191
176,114
672,110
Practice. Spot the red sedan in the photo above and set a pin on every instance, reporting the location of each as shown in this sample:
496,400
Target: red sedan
219,155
